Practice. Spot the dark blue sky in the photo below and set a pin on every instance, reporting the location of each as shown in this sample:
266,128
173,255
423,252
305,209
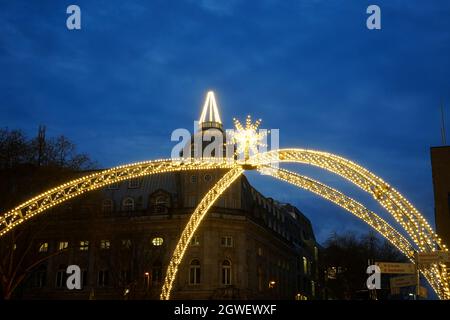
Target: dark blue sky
139,69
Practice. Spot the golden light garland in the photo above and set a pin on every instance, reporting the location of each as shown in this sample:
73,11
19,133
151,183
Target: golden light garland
194,222
400,208
360,211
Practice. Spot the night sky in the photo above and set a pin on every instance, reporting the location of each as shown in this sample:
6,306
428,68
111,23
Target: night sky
137,70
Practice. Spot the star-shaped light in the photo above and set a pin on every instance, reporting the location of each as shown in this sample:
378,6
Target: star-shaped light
247,139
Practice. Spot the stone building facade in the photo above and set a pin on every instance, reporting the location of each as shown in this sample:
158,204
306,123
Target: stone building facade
122,237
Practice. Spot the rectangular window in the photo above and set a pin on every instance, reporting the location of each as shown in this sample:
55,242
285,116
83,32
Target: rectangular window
133,184
226,241
226,275
194,275
43,247
39,279
103,278
125,277
305,265
192,200
126,243
260,251
84,245
63,245
114,186
60,278
105,244
156,275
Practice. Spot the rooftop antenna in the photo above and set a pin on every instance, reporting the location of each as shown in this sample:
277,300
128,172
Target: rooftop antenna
444,140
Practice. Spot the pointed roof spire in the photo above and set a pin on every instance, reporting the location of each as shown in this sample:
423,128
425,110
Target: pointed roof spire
210,112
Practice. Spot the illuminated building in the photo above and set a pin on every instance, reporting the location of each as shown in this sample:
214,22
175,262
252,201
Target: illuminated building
413,235
440,162
123,236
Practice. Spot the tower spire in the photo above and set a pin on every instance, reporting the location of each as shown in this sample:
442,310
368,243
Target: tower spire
210,112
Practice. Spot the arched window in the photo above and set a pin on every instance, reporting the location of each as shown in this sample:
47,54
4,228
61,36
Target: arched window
158,241
128,204
194,272
162,201
226,272
159,201
107,206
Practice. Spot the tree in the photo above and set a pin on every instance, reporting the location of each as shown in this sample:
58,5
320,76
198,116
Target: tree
28,167
345,259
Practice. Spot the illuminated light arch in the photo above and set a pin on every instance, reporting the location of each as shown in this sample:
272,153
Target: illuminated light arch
194,221
361,212
345,202
74,188
436,275
399,207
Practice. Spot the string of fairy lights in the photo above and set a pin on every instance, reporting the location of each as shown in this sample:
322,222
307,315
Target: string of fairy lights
194,222
248,140
357,209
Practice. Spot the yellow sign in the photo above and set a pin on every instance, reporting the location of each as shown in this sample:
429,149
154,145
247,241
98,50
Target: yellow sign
434,257
403,281
397,268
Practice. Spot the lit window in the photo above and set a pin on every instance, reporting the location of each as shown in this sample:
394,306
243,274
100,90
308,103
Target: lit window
63,245
43,247
305,265
195,241
226,272
226,241
158,241
107,205
194,272
133,184
105,244
114,186
128,204
84,245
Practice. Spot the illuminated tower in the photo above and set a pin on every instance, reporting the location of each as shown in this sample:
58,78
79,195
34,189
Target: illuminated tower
209,129
210,117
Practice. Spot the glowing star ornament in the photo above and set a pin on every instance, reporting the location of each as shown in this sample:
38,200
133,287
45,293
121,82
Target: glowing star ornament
248,139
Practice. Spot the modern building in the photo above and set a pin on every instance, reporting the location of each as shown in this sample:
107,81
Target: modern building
122,237
440,163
